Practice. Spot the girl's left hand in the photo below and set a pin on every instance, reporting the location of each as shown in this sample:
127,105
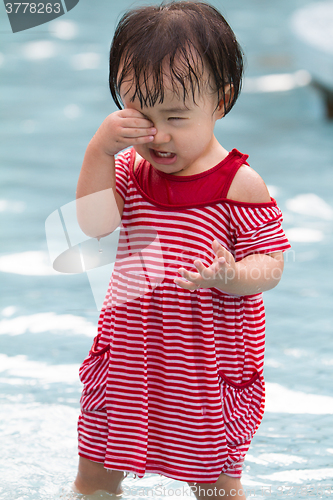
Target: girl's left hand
222,271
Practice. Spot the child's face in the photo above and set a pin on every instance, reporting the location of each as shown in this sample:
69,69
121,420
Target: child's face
184,143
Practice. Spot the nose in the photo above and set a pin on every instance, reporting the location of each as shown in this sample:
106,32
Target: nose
161,137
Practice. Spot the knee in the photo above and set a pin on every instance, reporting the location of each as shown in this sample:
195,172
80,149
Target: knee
92,476
225,487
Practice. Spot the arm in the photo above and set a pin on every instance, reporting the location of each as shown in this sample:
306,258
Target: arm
255,273
99,206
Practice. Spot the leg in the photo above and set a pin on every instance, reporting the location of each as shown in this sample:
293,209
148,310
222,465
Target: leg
225,487
92,476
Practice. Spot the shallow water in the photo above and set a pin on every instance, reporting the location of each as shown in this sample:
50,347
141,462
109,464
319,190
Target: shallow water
51,107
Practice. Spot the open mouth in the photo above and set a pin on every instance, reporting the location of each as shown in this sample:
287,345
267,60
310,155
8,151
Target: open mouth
164,157
161,154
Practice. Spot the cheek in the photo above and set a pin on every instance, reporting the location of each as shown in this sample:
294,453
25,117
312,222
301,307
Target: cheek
201,134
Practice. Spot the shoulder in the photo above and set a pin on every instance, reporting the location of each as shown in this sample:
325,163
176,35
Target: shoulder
247,186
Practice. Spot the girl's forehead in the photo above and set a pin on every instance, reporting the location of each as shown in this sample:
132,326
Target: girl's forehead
169,90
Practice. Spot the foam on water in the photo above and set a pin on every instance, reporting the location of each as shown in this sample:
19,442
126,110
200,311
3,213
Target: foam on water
86,60
38,449
280,399
63,29
310,204
306,22
278,82
274,458
299,476
19,369
34,263
42,49
12,206
273,190
48,322
296,353
72,111
9,311
281,458
304,234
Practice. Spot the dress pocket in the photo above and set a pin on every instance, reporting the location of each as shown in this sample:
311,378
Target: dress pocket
93,375
242,407
94,357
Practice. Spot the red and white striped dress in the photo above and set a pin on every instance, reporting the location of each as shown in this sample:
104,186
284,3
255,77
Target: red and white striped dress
174,384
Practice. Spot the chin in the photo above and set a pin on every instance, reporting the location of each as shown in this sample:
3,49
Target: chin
167,170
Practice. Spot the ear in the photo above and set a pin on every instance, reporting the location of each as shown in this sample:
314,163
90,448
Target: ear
228,95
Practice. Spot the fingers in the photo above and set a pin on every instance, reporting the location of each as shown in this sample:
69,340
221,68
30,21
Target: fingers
188,285
189,275
206,276
193,279
138,133
132,118
128,122
133,114
222,253
219,249
221,269
135,127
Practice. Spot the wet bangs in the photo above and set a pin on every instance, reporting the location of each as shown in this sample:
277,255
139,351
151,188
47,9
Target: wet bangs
185,46
182,72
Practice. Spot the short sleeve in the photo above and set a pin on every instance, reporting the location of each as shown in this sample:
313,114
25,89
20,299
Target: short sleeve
123,164
257,229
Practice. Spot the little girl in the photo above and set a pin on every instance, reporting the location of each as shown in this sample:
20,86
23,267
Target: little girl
173,383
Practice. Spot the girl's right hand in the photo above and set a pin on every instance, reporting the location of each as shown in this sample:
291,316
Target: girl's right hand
122,129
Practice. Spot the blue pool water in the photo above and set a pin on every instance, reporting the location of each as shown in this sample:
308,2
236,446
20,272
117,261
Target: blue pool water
54,96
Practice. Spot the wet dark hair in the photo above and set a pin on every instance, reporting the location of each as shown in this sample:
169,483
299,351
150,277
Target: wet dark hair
179,40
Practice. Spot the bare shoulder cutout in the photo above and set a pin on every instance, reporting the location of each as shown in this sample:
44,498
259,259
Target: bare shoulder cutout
247,186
